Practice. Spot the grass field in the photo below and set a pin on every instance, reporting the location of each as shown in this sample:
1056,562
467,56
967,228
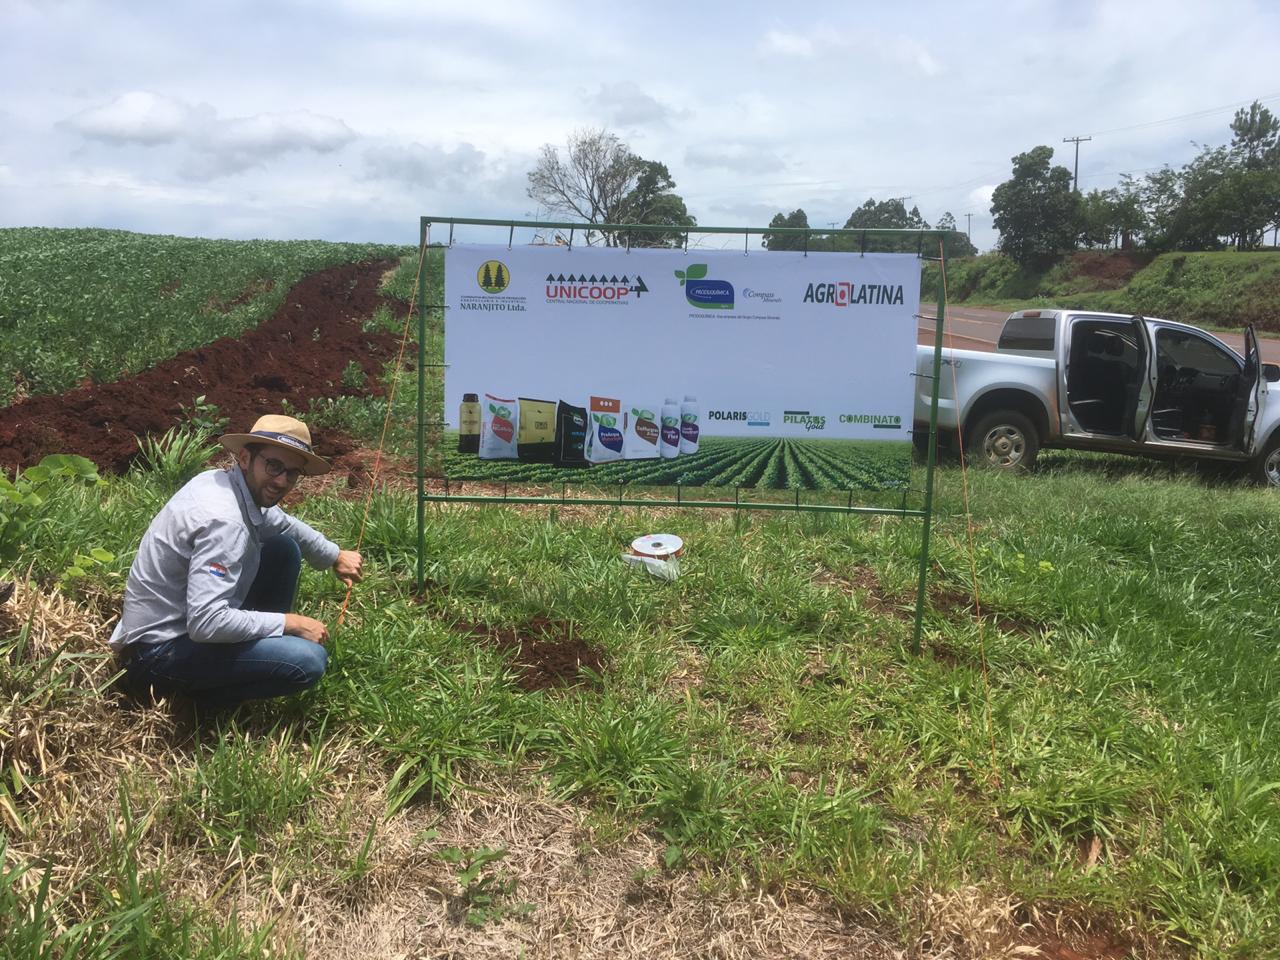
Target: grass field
755,766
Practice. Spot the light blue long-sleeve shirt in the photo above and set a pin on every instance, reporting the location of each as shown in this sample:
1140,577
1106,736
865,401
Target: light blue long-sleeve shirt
198,559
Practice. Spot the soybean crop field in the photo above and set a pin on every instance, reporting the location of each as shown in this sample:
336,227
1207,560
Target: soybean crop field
766,462
103,304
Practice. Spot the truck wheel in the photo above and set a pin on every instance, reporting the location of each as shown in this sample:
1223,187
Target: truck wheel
1266,468
1003,440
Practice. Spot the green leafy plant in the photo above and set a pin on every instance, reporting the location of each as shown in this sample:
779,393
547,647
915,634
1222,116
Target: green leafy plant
82,565
486,892
353,376
204,416
176,456
21,497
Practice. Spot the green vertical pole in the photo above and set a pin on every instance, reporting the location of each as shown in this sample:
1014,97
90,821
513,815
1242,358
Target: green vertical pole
933,453
424,233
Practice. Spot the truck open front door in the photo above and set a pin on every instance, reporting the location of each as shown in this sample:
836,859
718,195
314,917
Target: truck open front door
1143,390
1249,390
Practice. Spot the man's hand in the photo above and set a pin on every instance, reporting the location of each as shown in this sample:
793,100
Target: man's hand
349,567
295,624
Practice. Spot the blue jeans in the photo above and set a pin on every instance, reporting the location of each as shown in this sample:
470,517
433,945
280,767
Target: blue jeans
225,674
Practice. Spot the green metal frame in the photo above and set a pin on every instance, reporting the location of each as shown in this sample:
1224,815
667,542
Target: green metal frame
925,513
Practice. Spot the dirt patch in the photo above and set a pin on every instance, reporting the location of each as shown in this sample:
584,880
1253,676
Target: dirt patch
251,292
1108,271
953,603
548,653
950,602
300,354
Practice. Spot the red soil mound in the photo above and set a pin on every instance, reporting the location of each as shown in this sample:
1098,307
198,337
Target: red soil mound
546,653
298,355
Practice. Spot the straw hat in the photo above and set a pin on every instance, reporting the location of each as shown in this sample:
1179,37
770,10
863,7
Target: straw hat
286,433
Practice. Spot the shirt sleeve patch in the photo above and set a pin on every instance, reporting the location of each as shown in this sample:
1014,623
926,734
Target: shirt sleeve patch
218,570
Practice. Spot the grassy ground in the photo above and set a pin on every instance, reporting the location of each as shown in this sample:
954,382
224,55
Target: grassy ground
756,766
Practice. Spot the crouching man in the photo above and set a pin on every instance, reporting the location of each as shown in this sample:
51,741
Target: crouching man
208,605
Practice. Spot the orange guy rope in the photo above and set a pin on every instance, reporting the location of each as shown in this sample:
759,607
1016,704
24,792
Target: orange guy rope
386,422
973,562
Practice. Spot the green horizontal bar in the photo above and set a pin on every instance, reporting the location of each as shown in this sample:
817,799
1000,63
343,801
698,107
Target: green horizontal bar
630,502
667,228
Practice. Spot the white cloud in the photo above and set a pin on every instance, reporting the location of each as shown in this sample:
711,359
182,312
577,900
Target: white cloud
624,104
137,117
981,196
787,44
865,42
418,165
740,158
213,146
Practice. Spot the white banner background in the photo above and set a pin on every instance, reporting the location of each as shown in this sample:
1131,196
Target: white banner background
636,337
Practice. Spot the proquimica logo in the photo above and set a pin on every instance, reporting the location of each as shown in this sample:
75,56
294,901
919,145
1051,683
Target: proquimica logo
846,294
803,418
880,421
493,276
703,293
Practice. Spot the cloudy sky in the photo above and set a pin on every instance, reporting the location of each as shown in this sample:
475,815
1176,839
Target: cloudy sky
347,119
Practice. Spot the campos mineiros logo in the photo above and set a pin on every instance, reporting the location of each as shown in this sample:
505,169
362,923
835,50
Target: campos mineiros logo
593,289
803,418
493,276
845,294
703,293
879,421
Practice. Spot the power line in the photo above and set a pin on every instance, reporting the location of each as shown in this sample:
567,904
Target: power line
1189,116
1075,177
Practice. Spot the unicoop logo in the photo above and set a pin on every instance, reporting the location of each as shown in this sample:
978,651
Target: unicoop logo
703,293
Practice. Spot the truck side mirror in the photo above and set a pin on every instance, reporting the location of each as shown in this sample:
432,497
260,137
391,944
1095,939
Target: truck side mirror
1271,372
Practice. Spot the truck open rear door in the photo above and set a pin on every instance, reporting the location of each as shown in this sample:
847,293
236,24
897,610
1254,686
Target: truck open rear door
1142,392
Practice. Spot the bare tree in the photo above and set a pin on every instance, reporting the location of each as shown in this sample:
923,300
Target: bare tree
593,180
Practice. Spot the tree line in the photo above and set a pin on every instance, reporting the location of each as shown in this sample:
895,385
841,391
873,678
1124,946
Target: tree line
1228,196
598,179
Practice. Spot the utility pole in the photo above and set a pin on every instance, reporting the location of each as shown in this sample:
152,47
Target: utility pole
1075,177
968,226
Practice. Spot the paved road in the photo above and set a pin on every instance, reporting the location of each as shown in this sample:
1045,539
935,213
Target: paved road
973,328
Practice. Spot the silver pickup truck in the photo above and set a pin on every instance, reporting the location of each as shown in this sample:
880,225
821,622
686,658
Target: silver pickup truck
1109,382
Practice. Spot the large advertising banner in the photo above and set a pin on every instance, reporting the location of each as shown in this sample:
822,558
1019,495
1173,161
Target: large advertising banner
702,368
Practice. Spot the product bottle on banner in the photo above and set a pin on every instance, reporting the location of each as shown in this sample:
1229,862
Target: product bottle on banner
639,432
469,424
604,439
689,425
670,429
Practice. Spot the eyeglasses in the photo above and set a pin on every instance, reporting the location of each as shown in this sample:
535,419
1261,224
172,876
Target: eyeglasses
276,467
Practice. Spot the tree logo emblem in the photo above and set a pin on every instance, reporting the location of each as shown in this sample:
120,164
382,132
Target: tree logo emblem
493,276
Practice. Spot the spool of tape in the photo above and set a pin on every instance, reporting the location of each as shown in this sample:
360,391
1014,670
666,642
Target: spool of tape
659,546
